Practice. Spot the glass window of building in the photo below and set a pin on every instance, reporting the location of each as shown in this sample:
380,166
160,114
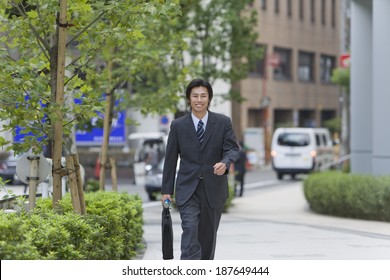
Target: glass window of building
263,4
306,67
289,8
301,9
257,70
283,70
277,8
323,12
312,11
327,64
333,13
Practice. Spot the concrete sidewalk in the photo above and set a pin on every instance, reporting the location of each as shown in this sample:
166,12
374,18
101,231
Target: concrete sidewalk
272,222
276,223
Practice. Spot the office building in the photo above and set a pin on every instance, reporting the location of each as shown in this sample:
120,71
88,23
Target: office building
291,85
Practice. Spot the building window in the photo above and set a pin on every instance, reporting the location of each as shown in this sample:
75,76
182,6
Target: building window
312,11
333,13
257,70
306,67
301,10
264,4
327,65
277,8
323,12
289,8
283,70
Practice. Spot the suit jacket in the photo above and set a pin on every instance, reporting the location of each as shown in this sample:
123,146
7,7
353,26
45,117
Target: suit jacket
197,160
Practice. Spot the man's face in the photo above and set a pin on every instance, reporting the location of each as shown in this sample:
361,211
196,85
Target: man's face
199,99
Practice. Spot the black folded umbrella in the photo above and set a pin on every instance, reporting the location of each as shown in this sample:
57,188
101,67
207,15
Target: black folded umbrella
167,234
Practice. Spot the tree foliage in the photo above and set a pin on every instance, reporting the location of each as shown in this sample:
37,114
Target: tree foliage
341,77
222,37
128,35
142,51
218,34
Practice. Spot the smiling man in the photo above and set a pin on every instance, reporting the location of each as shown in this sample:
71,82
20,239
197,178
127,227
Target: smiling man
206,144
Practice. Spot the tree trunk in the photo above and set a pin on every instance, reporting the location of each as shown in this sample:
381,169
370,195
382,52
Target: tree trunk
106,130
59,99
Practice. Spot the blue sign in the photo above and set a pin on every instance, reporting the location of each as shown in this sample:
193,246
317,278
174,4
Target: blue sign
19,137
95,136
164,120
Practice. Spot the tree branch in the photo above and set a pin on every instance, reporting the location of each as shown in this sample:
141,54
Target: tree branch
74,38
40,40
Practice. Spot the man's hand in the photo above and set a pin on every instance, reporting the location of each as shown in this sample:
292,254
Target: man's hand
220,168
164,197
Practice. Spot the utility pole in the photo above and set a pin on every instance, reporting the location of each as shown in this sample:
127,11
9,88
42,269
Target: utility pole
345,96
272,60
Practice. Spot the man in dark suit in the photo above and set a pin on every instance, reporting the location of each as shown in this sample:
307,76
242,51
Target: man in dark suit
206,145
240,169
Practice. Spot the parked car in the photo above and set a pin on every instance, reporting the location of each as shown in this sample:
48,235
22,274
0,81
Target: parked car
8,169
153,178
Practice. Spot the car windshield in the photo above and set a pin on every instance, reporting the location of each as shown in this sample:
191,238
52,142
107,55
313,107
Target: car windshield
294,139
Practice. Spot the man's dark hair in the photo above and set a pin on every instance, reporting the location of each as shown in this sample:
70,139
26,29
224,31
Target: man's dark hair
199,83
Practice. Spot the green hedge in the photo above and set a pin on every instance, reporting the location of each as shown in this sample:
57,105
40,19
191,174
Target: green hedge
111,229
349,195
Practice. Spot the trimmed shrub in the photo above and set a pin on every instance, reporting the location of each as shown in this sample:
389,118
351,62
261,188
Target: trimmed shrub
111,229
349,195
50,236
14,244
231,195
92,185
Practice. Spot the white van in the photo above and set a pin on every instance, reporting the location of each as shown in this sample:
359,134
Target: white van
149,150
296,150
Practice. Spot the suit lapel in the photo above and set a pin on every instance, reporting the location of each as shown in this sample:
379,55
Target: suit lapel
189,126
210,127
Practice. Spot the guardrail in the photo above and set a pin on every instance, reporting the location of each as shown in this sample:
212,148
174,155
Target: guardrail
9,202
337,163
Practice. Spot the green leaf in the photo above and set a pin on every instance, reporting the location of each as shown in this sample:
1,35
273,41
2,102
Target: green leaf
32,14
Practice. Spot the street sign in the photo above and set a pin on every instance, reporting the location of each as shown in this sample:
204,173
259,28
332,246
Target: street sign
274,60
265,101
94,137
345,60
164,120
23,168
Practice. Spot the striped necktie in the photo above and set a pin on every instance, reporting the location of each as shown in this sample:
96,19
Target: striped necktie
200,131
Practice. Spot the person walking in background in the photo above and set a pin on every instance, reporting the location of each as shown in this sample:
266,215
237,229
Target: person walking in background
206,144
240,169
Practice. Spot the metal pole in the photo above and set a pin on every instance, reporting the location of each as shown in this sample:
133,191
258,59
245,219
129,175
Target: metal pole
265,111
